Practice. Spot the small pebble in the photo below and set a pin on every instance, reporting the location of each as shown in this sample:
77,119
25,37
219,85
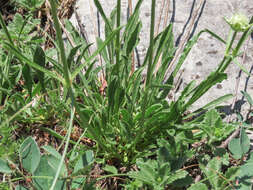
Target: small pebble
219,86
147,14
199,63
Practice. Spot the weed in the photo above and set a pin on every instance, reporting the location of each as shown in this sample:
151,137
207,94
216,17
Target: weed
129,118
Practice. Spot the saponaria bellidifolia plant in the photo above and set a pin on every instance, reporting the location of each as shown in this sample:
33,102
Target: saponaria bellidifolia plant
129,118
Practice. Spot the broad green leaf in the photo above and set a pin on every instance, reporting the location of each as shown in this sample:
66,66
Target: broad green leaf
77,182
163,155
246,175
235,148
39,59
54,163
111,93
111,169
132,21
45,173
103,52
31,5
239,146
29,154
212,171
77,38
147,172
19,187
198,186
52,151
213,103
4,167
118,98
28,78
176,175
244,141
85,160
230,175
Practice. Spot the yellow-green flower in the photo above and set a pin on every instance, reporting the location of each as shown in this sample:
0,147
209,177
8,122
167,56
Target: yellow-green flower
239,22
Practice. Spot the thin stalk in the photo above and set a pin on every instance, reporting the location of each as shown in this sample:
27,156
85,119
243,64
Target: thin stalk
65,149
118,36
2,23
130,7
230,41
66,72
61,44
230,58
96,136
151,43
225,65
149,74
242,39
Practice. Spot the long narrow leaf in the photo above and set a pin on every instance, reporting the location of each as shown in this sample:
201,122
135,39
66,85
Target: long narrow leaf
248,97
241,67
204,86
106,42
60,44
101,11
24,59
210,105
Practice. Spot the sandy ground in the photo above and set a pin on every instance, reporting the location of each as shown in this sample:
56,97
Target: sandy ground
206,54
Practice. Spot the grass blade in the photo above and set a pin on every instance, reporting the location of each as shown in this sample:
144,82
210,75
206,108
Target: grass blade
100,49
24,59
203,87
248,97
101,11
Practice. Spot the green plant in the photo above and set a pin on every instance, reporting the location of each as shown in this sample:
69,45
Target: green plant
31,5
213,128
126,118
239,146
216,179
157,174
246,175
133,113
42,168
165,167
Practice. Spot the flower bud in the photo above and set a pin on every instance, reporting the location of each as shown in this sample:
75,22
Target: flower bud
238,22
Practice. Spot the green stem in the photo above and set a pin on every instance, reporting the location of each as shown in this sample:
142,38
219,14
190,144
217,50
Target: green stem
239,44
151,43
118,36
65,149
2,23
149,74
61,44
66,74
230,41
